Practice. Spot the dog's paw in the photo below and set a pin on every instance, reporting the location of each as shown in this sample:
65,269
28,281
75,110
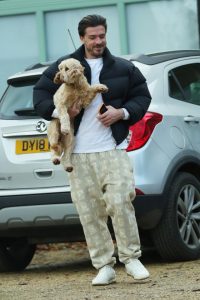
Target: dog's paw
69,169
102,88
56,161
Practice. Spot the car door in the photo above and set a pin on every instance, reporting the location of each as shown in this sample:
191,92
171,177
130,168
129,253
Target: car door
184,86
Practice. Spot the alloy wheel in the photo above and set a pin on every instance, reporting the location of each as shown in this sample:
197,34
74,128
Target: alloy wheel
188,215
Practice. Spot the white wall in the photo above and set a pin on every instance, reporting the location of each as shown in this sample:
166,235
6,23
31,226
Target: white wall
162,25
18,46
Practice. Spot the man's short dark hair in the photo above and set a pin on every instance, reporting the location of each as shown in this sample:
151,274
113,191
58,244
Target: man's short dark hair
91,21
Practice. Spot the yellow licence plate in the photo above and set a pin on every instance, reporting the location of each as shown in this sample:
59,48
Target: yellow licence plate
28,146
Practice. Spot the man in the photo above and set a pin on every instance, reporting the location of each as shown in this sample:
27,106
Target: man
102,182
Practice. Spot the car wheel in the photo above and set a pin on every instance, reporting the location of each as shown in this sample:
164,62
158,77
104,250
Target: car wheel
15,255
177,237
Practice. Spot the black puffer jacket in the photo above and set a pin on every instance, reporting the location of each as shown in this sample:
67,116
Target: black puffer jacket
127,88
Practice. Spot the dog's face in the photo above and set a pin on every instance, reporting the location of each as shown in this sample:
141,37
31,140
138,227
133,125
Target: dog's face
70,71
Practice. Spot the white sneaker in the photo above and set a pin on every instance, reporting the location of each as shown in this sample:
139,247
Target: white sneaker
136,269
105,276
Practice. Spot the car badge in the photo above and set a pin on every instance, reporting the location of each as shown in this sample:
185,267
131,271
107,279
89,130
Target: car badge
41,126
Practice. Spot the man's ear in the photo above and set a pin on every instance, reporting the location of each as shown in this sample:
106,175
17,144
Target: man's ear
82,38
57,78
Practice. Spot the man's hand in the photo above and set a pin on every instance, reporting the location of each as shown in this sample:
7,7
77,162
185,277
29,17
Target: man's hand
74,110
111,116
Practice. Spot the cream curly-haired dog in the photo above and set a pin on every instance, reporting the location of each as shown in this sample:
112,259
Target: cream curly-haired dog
74,89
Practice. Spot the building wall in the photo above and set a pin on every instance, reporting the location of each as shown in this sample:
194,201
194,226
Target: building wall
37,30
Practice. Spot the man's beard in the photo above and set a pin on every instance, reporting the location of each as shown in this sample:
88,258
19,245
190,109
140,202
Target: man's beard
97,51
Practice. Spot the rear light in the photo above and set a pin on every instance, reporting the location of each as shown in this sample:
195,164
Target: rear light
139,192
140,132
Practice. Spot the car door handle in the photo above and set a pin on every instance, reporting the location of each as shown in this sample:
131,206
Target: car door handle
191,119
43,173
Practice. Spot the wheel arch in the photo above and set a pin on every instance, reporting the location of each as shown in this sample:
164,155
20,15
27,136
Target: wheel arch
150,208
187,164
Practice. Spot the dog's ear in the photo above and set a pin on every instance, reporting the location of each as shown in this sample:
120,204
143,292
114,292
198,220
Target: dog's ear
83,68
57,78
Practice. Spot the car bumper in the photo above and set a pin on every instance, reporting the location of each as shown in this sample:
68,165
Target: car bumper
34,199
56,209
20,210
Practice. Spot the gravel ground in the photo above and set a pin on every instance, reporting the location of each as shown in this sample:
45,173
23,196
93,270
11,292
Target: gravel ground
63,271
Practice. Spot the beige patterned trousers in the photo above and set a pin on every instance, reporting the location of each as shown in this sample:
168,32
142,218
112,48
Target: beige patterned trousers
102,185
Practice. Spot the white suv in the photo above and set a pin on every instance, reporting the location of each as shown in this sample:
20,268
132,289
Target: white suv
35,202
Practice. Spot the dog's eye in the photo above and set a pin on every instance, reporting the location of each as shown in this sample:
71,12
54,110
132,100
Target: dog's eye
66,68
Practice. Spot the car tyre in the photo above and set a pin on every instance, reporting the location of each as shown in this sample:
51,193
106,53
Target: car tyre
177,237
15,255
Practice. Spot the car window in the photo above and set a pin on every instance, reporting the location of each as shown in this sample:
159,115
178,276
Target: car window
184,83
17,101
